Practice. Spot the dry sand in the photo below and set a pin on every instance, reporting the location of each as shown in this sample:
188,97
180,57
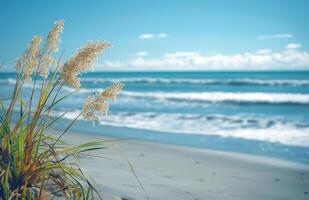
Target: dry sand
170,172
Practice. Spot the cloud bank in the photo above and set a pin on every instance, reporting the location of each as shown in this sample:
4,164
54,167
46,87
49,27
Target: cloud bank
289,59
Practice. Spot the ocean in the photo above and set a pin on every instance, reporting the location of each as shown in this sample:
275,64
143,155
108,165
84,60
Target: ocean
263,113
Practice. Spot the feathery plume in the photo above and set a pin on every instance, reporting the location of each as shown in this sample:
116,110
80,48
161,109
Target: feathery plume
30,58
51,46
111,92
83,60
46,62
98,103
53,40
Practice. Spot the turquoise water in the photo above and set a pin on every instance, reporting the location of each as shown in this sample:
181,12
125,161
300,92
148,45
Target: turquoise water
257,112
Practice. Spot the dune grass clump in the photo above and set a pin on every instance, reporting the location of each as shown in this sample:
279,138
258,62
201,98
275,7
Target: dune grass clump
33,163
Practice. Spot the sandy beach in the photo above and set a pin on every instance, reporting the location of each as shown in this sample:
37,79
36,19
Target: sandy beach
176,172
154,100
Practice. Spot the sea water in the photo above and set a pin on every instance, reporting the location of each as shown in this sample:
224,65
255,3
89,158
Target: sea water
257,112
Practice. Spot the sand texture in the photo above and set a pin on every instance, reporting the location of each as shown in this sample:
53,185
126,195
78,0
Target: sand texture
175,172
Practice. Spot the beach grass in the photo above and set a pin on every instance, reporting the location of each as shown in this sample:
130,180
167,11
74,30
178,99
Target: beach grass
33,163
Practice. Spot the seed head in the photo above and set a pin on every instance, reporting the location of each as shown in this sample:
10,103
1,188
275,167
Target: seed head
30,58
83,60
46,62
51,46
111,92
53,40
99,103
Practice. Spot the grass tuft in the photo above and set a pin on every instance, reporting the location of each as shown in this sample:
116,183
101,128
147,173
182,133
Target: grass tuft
34,164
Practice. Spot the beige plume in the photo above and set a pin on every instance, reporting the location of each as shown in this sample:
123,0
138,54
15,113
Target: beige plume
51,46
31,56
83,60
99,103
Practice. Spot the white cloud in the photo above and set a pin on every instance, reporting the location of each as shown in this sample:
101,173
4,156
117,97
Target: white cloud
142,53
293,46
263,51
146,36
180,60
162,35
277,36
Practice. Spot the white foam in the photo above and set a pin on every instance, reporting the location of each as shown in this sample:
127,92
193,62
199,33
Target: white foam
252,127
237,126
243,97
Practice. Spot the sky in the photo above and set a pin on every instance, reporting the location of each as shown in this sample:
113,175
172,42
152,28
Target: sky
167,34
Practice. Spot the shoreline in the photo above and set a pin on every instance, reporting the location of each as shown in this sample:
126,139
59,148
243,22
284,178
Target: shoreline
214,142
176,172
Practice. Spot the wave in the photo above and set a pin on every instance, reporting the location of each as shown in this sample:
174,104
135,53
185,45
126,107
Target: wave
167,81
235,82
210,97
246,127
229,97
11,81
148,80
27,83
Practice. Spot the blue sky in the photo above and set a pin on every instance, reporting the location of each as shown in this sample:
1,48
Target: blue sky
168,34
